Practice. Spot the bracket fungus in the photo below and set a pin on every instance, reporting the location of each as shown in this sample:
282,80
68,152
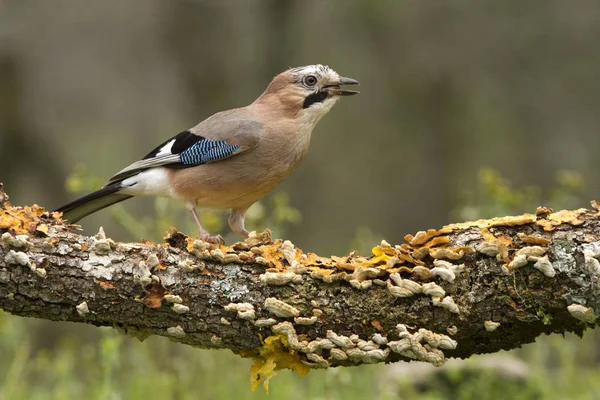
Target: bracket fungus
270,301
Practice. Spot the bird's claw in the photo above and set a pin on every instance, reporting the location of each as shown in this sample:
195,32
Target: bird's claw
217,239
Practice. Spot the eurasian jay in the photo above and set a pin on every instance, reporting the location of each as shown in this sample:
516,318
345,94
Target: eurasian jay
233,158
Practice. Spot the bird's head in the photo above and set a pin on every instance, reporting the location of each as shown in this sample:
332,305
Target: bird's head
310,91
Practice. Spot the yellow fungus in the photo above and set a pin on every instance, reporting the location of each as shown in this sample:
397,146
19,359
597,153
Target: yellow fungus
275,354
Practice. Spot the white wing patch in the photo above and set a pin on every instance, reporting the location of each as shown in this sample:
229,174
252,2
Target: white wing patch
166,149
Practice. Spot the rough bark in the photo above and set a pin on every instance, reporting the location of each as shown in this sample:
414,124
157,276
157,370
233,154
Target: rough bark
474,287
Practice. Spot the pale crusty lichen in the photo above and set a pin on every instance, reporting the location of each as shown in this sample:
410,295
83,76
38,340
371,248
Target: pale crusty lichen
152,261
142,274
18,241
591,253
102,244
17,258
384,268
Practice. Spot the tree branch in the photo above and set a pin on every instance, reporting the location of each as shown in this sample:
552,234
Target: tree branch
473,287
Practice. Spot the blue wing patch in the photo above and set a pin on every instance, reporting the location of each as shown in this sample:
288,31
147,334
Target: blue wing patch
206,150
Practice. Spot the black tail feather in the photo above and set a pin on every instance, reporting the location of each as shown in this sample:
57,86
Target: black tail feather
90,203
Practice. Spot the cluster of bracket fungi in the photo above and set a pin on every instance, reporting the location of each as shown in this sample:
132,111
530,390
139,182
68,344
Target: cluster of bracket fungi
422,266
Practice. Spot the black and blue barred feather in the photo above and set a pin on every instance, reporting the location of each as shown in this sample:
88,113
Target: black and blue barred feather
194,150
206,150
182,151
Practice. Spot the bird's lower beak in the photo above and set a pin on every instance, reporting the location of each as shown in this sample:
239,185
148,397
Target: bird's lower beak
336,90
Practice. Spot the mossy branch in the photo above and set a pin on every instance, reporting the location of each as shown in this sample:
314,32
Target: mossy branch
468,288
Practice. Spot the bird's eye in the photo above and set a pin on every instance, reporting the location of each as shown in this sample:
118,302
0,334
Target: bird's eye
310,80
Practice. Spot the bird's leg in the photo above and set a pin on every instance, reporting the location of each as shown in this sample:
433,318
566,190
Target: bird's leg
236,221
204,235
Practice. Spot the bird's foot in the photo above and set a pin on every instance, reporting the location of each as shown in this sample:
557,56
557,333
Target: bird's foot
217,239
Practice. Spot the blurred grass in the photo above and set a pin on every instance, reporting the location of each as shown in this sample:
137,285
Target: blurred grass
47,360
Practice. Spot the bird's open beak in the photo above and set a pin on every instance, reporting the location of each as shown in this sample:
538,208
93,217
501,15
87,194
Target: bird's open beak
335,88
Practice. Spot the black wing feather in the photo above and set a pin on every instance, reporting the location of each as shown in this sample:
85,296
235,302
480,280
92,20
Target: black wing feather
183,140
186,150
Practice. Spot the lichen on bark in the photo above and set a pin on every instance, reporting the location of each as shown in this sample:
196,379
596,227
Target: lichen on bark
467,288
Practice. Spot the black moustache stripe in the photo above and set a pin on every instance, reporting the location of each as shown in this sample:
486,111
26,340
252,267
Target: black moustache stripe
313,98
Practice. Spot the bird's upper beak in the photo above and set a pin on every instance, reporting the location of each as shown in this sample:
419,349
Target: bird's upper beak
334,88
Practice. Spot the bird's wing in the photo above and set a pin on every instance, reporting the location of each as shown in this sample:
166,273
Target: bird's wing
217,138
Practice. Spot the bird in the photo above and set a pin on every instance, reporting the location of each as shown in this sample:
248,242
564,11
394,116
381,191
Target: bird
233,158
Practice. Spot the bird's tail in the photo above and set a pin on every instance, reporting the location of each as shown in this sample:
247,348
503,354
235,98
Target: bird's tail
93,202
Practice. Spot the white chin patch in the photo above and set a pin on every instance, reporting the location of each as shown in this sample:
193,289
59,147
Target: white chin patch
316,111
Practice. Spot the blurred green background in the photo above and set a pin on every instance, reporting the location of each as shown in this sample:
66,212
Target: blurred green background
467,109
